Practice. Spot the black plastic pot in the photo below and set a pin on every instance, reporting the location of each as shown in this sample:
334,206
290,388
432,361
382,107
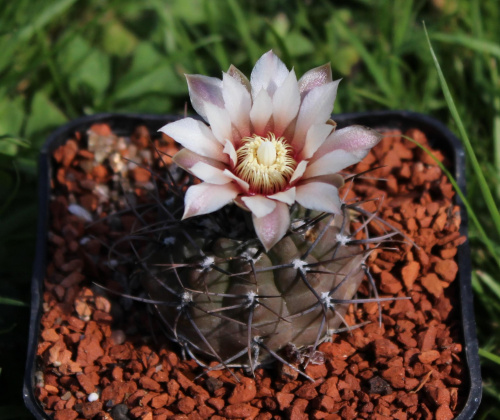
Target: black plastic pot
123,124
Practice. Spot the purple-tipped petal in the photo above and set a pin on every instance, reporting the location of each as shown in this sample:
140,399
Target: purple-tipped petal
203,89
220,123
287,197
261,112
269,73
319,196
315,137
355,139
238,103
205,198
316,108
271,228
259,205
330,163
315,77
186,159
195,135
209,173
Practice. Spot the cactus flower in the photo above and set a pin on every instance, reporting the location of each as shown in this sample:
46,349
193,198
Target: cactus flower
270,143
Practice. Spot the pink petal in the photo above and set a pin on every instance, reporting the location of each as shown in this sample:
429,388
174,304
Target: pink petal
238,103
315,77
315,137
355,139
330,163
186,159
209,173
287,197
205,198
259,205
319,196
316,108
299,171
271,228
239,76
269,73
261,112
202,90
286,103
220,123
195,135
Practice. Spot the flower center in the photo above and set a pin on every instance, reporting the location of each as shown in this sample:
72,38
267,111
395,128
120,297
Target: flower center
266,163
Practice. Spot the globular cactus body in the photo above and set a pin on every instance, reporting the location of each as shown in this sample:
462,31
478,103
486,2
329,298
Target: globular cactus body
232,302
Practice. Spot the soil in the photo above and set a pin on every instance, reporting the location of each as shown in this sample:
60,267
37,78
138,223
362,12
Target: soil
101,356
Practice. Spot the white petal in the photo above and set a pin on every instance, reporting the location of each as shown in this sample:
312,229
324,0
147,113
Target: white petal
315,77
238,103
336,180
299,171
330,163
202,90
316,108
271,228
261,112
209,173
238,75
220,123
269,73
186,159
287,196
315,137
259,205
205,198
286,103
355,139
231,152
196,136
319,196
243,184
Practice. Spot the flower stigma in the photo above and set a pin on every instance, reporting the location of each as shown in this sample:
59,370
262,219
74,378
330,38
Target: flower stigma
266,163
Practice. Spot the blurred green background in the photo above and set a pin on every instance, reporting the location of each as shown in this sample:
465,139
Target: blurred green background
62,59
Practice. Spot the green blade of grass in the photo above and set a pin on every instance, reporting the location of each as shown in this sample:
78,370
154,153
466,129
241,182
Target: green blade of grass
371,63
495,79
490,356
490,282
483,185
241,22
11,302
482,233
475,44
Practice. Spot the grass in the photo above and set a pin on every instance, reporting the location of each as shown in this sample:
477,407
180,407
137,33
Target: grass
66,58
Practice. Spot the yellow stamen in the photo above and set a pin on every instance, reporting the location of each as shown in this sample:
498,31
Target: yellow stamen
265,163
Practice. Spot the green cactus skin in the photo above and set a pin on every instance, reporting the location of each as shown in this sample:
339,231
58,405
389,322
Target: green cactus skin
228,300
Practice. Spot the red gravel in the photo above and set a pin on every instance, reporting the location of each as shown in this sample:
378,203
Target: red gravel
410,367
